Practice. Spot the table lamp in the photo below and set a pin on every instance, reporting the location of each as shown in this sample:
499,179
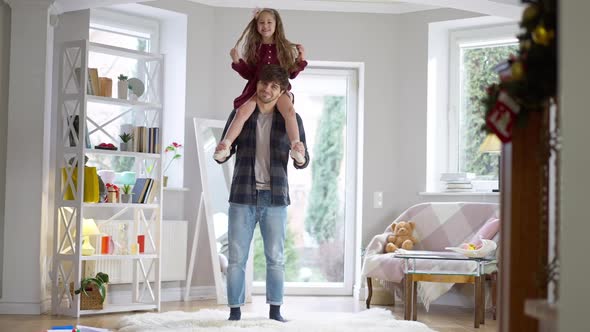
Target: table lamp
491,144
89,228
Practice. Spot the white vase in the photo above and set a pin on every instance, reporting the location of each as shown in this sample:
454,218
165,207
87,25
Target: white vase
126,198
125,146
122,88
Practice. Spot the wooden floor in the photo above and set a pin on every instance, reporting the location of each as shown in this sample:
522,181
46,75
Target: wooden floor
440,318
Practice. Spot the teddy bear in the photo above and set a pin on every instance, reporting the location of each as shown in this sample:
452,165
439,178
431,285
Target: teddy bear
401,237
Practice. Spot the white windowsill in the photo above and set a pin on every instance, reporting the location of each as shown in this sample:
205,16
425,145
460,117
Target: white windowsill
462,193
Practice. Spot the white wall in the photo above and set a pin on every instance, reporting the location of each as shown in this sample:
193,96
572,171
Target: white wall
4,69
27,142
405,160
574,46
199,77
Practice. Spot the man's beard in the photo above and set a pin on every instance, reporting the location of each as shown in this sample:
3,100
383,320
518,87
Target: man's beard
267,100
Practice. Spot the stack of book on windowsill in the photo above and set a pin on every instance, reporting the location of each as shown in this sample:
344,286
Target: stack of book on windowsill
457,182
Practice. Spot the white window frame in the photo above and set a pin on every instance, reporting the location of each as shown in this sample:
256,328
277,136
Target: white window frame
123,23
354,141
495,35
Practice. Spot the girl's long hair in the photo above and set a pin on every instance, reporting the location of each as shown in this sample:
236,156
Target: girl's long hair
286,51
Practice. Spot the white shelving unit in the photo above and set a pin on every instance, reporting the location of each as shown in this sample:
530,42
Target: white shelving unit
146,219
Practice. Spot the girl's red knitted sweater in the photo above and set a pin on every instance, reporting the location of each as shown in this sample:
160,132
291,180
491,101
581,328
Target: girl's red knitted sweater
267,54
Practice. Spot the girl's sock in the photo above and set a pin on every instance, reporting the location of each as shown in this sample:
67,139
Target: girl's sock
221,155
299,158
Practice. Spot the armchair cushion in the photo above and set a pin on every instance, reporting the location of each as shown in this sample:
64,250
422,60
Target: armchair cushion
487,232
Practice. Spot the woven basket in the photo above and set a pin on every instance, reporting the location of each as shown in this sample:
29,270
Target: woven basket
92,301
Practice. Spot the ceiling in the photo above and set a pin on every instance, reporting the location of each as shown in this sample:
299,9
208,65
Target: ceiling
503,8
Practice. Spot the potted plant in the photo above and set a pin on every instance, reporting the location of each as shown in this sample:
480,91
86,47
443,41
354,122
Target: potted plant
175,149
122,87
94,290
125,139
126,196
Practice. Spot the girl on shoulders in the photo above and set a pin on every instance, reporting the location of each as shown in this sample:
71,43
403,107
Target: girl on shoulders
264,43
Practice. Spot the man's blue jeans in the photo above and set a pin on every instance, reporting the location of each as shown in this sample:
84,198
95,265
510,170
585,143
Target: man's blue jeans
273,226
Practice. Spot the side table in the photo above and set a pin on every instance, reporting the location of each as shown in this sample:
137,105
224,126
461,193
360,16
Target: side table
413,274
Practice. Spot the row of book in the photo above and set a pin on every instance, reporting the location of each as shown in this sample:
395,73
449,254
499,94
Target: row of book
457,181
93,85
144,190
146,139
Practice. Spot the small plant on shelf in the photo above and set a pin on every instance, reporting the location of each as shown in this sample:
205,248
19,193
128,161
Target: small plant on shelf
126,137
125,141
122,87
126,189
126,196
100,280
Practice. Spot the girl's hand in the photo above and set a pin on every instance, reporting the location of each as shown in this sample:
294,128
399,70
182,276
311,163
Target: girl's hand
301,51
235,56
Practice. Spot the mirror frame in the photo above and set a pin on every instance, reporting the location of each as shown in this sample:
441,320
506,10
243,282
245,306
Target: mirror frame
220,285
200,125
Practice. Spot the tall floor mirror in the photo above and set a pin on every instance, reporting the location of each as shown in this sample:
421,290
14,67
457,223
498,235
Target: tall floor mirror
216,181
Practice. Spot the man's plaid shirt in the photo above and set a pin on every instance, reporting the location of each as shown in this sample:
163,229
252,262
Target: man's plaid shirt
243,187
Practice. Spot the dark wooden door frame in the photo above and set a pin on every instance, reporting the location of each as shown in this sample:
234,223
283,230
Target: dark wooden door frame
523,246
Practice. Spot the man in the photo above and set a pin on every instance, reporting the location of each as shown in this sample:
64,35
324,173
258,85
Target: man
260,192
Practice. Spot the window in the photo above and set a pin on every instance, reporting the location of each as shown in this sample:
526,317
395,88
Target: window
123,30
473,56
476,70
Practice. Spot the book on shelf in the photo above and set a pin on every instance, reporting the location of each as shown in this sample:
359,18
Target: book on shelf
461,176
94,81
153,192
451,190
75,121
142,189
92,84
147,191
138,189
153,145
140,139
459,186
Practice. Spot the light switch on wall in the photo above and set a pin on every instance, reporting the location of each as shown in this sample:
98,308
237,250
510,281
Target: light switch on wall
378,199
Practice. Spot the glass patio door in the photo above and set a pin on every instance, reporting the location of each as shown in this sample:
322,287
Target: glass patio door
319,244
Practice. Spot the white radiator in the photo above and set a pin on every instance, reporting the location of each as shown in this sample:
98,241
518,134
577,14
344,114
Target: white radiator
174,251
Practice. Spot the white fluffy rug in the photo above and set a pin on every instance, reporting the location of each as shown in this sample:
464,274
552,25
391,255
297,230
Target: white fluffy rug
376,319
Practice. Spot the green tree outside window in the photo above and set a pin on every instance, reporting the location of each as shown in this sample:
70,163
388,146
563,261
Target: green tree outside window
478,73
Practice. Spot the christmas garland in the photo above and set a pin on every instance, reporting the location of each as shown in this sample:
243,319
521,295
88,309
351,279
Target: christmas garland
529,79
